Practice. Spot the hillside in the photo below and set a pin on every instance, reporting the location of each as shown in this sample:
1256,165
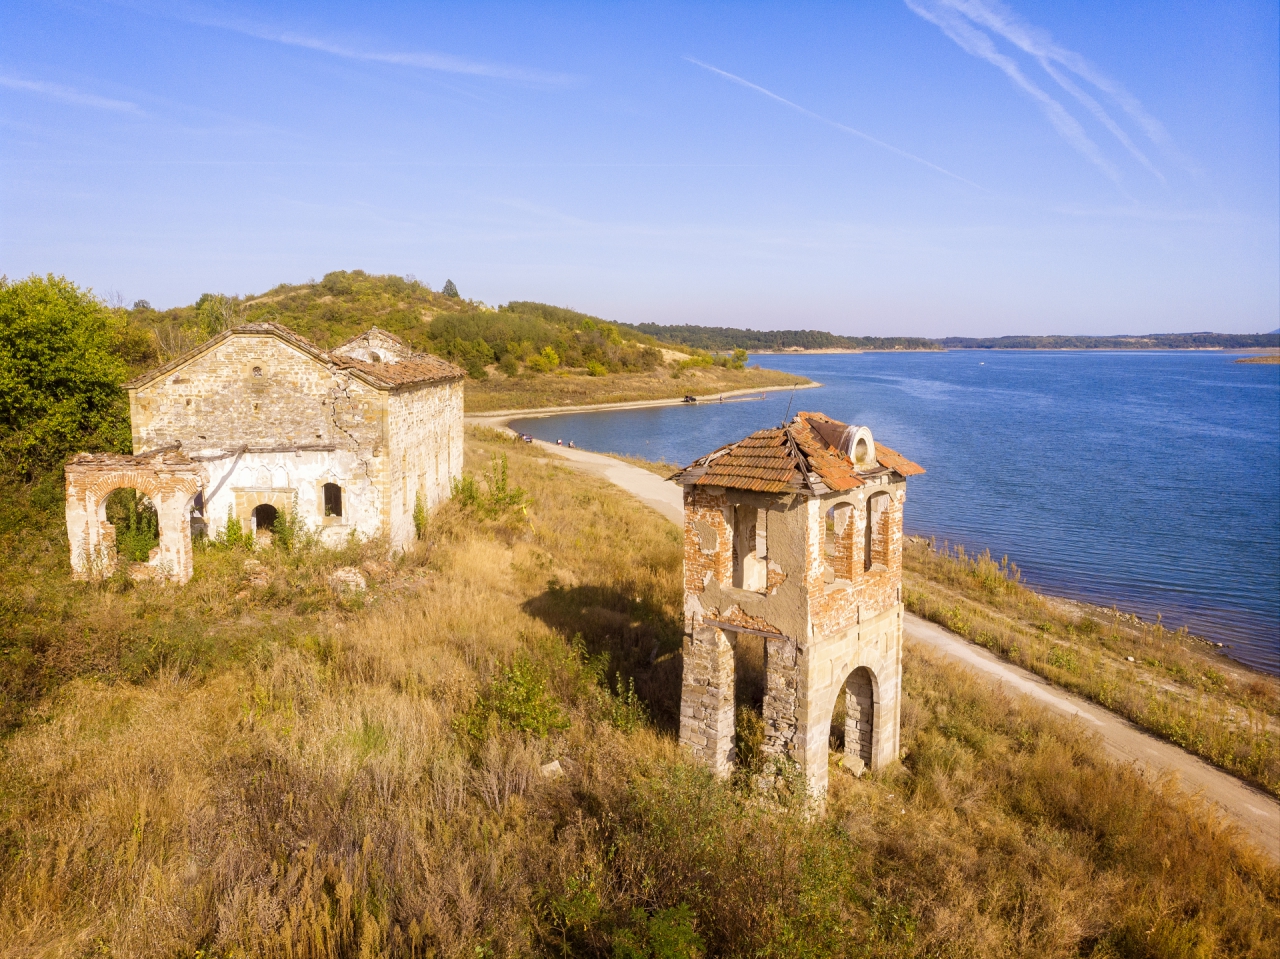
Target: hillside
519,355
258,763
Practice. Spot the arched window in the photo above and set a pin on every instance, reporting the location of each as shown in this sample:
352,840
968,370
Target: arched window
874,538
137,527
332,499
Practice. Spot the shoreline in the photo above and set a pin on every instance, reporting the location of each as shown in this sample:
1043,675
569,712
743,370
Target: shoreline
502,417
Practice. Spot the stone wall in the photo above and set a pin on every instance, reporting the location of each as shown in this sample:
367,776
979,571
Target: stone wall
256,390
425,426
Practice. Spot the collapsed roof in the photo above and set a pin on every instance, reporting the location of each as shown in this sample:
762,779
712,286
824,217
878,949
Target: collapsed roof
812,454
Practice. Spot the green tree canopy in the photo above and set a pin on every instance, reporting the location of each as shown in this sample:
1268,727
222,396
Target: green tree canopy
59,376
449,289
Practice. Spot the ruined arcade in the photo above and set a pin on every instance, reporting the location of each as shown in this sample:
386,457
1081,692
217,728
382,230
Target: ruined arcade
793,594
257,422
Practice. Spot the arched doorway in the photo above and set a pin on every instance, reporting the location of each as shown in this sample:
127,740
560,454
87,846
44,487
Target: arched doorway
750,668
859,722
264,518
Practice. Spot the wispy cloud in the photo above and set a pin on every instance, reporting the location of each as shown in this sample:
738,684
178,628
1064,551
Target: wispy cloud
423,60
829,122
55,91
967,21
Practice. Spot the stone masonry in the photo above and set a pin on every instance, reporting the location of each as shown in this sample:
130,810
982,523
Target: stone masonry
794,536
349,440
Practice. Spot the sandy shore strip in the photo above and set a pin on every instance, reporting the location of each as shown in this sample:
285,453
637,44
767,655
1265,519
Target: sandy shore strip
499,418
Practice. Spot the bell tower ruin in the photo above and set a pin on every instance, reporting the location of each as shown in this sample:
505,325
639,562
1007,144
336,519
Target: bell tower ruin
793,595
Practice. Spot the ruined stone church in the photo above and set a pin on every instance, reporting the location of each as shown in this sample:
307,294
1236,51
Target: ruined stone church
793,595
257,421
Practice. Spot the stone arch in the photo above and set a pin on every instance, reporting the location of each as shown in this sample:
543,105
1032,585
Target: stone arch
167,478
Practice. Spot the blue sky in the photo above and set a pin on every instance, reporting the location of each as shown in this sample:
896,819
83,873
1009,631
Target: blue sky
928,167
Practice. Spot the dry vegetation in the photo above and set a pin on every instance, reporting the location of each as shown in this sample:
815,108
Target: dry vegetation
1166,681
253,764
541,390
1264,358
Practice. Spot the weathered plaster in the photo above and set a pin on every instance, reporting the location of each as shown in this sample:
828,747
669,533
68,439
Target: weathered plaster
833,623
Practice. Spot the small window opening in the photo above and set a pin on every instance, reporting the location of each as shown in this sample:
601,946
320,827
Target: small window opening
264,517
188,402
257,371
375,357
750,654
860,451
750,566
332,499
255,407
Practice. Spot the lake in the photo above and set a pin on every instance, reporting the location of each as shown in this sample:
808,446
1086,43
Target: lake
1150,480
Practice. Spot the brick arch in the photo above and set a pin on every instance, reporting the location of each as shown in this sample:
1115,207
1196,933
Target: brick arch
168,478
861,727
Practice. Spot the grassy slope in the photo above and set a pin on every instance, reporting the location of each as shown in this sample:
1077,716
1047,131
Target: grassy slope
268,768
1175,686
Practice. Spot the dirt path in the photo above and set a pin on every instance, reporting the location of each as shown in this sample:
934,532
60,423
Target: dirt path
1257,814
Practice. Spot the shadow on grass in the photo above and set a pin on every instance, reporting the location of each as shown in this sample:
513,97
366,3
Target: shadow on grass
643,641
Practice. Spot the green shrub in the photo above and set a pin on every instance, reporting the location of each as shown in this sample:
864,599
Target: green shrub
136,523
59,378
419,516
517,700
498,497
234,535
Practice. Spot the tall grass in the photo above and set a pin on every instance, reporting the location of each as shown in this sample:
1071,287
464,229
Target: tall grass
368,780
1175,685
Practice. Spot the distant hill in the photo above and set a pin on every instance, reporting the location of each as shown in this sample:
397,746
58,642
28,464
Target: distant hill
725,338
721,338
1149,341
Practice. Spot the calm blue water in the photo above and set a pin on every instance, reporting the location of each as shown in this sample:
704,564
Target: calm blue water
1148,480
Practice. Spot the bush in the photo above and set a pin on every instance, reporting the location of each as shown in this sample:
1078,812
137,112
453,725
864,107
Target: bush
136,523
517,700
596,369
419,516
59,379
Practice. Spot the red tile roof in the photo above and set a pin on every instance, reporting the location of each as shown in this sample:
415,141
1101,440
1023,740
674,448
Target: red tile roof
793,458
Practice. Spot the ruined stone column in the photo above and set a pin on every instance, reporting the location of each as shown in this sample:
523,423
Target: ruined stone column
706,699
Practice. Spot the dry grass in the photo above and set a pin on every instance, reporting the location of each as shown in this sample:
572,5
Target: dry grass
532,391
1176,685
1265,358
325,792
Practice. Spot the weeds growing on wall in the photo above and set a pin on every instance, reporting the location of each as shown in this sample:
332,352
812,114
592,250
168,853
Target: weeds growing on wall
419,517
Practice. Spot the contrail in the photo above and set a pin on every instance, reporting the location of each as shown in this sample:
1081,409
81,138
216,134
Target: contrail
831,123
960,20
55,91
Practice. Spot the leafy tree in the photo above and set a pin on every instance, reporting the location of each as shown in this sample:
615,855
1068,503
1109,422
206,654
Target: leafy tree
449,289
59,375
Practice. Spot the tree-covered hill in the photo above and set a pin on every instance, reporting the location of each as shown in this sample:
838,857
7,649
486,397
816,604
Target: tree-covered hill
520,336
721,338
